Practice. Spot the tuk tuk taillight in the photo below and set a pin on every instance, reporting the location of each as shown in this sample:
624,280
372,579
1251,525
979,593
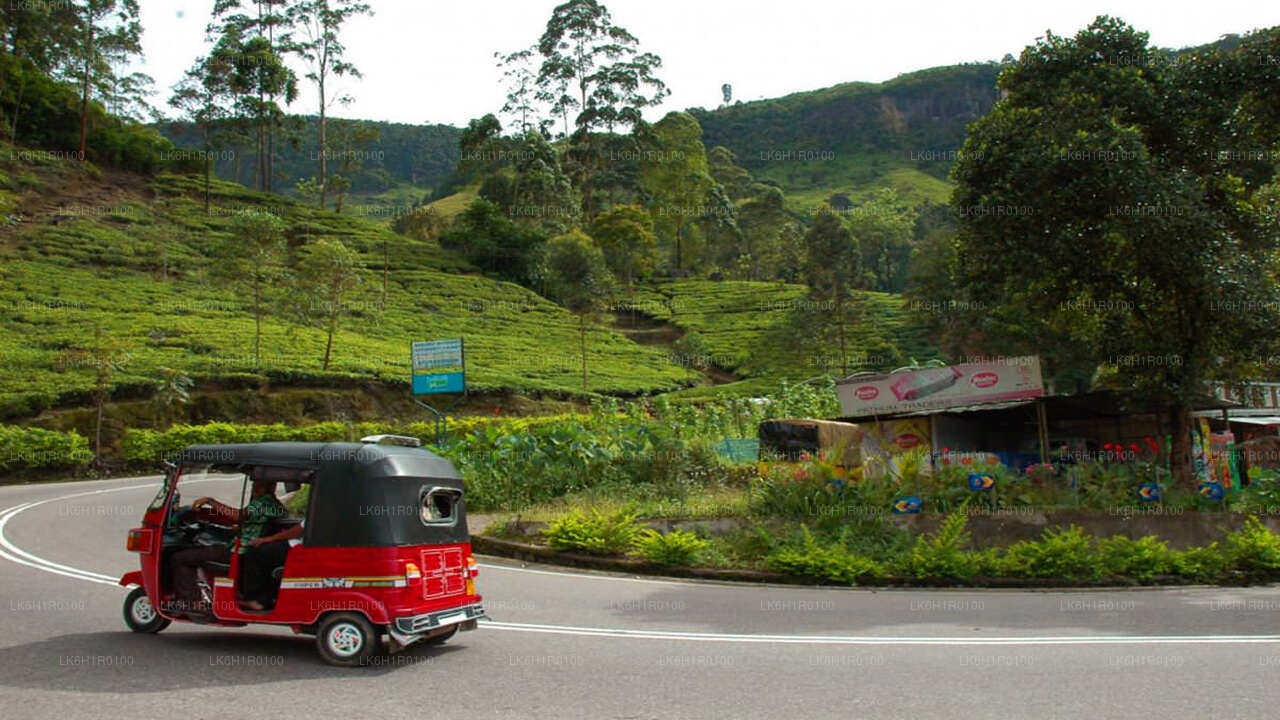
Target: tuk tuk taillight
471,586
139,541
473,568
411,572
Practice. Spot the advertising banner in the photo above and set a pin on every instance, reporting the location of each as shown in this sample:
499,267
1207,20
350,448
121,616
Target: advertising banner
938,388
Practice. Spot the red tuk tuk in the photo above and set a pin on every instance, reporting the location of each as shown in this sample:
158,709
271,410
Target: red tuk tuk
383,550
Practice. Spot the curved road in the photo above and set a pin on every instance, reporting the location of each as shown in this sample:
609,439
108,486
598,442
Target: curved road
577,645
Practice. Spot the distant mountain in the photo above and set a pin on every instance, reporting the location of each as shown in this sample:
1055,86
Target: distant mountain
421,155
817,145
854,135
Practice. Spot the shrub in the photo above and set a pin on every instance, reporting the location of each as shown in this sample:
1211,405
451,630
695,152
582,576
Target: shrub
1253,548
1068,554
678,547
1141,559
943,555
23,448
828,562
1202,564
595,532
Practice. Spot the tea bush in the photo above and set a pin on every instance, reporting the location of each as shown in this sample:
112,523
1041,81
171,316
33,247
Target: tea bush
678,547
23,448
594,532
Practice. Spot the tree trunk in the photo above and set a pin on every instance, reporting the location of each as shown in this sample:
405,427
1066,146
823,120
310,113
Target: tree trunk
844,364
582,337
97,430
84,93
679,232
1180,446
257,325
17,109
328,348
324,168
208,168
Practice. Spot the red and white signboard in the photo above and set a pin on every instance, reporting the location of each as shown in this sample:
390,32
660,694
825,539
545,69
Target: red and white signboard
937,388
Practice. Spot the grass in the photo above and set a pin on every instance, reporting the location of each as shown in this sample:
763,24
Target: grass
702,503
455,203
139,269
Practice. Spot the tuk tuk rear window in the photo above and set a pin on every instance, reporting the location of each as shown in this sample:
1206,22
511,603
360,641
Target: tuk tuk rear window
440,505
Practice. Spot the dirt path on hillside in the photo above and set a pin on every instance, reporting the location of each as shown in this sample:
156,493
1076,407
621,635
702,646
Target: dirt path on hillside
644,329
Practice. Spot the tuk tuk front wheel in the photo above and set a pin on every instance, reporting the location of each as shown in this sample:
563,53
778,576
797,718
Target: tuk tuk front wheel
139,614
347,639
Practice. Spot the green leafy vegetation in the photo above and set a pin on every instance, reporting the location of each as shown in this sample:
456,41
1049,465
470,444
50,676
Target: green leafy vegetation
593,532
678,547
23,448
813,559
146,272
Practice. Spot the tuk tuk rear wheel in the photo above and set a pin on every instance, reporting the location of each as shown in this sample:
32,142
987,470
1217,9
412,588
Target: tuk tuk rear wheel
139,614
347,639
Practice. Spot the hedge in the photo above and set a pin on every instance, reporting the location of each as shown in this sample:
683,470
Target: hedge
23,448
143,445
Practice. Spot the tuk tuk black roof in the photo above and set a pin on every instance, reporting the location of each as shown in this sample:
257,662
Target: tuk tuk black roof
362,494
367,460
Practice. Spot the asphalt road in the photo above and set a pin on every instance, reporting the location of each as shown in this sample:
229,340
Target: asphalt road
577,645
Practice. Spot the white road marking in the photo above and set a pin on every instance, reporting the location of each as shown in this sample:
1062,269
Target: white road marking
11,552
874,640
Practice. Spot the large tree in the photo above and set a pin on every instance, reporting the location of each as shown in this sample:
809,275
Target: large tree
582,48
251,258
108,34
326,276
253,41
832,273
674,172
625,234
572,271
201,97
1125,185
318,23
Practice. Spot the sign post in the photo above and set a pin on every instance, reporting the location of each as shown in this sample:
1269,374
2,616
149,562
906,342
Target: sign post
437,367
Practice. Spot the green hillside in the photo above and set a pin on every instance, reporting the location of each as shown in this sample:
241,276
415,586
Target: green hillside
761,331
421,156
853,137
129,254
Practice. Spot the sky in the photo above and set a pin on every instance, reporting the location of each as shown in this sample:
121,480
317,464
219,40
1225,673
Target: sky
426,61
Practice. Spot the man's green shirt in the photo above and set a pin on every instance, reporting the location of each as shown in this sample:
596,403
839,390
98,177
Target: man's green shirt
260,511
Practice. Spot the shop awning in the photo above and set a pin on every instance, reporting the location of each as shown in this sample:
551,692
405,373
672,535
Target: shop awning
1263,420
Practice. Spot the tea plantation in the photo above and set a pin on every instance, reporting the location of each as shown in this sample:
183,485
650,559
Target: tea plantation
131,256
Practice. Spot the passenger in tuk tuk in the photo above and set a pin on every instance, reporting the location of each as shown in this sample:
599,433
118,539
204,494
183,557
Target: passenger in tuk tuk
258,563
263,508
